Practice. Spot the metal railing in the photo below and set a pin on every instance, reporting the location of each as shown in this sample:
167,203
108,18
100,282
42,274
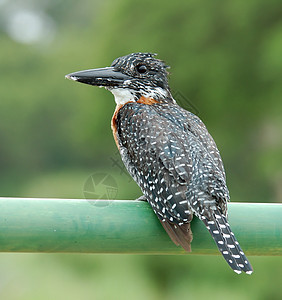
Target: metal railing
122,226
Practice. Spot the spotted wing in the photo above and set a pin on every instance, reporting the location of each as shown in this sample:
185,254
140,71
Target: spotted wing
207,156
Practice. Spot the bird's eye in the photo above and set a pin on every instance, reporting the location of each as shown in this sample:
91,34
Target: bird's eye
141,68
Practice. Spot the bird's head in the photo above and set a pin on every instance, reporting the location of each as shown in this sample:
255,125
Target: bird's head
130,77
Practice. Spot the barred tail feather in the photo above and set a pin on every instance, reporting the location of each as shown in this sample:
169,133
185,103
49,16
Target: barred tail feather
227,243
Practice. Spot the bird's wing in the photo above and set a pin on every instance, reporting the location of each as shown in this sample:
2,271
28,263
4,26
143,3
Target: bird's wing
208,156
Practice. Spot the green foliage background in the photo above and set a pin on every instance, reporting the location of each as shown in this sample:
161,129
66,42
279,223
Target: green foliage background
226,66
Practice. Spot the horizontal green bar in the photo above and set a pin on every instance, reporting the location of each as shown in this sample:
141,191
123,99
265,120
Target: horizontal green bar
121,226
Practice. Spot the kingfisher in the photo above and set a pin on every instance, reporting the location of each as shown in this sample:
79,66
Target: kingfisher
168,151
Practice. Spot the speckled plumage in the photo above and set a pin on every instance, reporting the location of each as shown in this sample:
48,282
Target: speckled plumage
170,154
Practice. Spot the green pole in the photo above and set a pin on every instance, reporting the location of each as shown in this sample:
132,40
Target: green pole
121,226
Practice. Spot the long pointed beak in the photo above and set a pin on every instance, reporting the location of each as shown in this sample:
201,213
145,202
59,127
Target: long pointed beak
99,77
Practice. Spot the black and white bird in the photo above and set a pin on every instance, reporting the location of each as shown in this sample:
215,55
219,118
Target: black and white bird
168,152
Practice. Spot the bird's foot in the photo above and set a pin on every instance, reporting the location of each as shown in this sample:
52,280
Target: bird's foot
141,198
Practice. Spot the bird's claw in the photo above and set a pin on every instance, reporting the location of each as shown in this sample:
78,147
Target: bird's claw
141,198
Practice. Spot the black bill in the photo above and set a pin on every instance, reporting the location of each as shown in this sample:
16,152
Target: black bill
100,77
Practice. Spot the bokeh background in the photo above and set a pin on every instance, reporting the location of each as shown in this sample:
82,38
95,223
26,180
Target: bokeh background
226,66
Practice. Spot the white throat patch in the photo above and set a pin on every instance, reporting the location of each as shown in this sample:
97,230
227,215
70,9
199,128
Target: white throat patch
122,96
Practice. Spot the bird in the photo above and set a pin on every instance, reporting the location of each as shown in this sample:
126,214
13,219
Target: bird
168,151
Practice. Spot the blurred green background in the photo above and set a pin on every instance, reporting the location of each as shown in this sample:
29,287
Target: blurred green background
226,66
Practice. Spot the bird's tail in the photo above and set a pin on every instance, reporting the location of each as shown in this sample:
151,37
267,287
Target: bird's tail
227,243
